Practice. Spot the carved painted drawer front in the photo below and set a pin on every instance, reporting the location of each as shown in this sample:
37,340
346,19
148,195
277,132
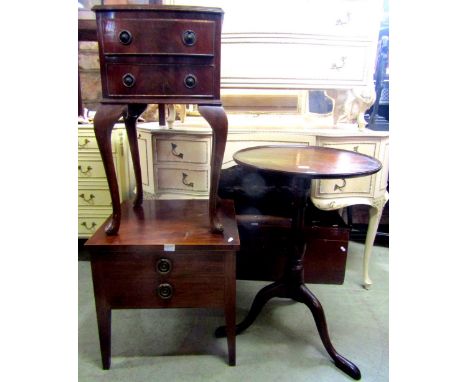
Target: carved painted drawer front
362,186
88,225
182,151
89,168
94,198
182,180
94,202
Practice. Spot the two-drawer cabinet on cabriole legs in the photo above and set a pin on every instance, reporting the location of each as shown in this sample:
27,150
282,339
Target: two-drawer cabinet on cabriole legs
156,54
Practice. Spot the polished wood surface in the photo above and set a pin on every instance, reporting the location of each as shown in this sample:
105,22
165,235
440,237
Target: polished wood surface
158,54
182,222
165,256
300,164
311,161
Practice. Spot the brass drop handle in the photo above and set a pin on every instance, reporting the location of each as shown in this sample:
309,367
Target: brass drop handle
340,187
341,65
93,224
164,266
165,291
85,142
84,172
184,180
91,197
180,155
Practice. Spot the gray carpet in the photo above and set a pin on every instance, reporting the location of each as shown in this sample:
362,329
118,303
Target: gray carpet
282,344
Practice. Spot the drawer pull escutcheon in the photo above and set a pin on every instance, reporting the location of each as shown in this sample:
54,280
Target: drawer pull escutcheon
165,291
341,65
93,224
340,187
189,38
128,80
84,172
180,155
85,142
164,266
190,81
91,197
125,37
184,180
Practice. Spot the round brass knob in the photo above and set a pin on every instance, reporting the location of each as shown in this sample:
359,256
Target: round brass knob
190,81
125,37
128,80
165,291
189,37
164,266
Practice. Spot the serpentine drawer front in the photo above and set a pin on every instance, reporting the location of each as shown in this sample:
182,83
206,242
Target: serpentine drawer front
182,180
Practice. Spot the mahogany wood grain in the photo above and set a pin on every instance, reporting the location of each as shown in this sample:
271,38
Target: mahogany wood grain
216,117
104,120
158,65
300,164
131,117
201,273
311,161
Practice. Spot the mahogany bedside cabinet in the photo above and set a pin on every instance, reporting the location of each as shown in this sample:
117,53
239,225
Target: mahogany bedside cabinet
158,54
165,256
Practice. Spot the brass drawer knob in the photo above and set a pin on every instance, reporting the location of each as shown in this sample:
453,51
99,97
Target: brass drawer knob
190,81
125,37
165,291
189,38
164,266
128,80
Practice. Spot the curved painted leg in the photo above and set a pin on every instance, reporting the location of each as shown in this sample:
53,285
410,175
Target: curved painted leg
131,117
216,117
104,120
276,289
305,296
375,213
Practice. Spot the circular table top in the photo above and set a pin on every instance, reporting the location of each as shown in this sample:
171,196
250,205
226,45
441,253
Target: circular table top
309,161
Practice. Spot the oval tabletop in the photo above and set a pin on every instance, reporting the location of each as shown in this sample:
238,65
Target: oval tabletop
311,161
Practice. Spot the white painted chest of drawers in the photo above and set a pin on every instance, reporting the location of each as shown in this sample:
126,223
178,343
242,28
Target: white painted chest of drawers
94,203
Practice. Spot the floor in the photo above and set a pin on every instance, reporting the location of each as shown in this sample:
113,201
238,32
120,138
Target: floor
282,344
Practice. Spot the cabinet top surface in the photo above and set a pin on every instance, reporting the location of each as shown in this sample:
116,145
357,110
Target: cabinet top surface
155,8
170,225
310,161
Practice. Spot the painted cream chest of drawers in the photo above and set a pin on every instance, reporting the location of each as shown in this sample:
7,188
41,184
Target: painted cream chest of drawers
175,162
94,203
